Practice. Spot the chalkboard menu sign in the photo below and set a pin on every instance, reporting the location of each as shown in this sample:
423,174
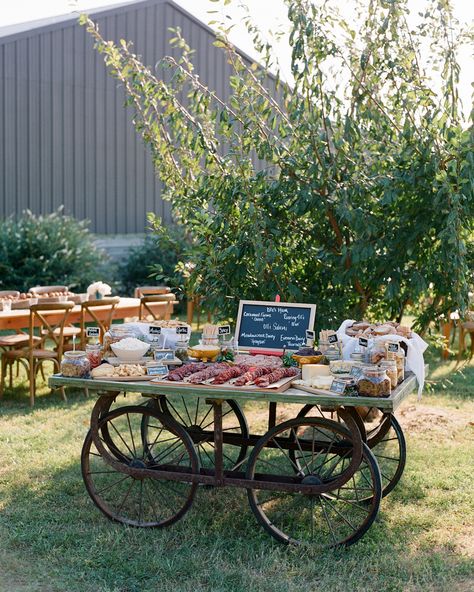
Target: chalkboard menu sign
273,325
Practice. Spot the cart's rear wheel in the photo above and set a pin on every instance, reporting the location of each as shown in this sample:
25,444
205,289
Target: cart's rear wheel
385,440
325,457
197,417
139,499
387,443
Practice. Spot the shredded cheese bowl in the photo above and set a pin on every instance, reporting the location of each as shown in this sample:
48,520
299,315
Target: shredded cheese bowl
130,349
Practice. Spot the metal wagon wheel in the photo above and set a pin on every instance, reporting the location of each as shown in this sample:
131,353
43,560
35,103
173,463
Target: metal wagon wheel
385,440
197,417
115,476
332,513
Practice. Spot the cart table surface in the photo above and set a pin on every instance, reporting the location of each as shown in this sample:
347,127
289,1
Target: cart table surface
292,395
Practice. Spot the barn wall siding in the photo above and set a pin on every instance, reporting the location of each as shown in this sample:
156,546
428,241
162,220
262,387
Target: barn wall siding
65,136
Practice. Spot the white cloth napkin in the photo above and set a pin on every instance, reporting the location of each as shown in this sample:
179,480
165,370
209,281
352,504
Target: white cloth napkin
414,359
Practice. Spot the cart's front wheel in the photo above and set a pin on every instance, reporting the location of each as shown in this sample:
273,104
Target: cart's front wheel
333,514
139,499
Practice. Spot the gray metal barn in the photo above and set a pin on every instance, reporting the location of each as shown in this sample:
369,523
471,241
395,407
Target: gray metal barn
65,136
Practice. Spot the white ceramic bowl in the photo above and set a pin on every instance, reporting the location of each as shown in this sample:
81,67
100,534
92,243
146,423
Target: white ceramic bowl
129,355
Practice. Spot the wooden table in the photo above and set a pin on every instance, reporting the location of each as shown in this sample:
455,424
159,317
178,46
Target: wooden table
19,319
316,479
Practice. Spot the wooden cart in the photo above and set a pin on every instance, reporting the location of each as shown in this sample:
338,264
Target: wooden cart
316,479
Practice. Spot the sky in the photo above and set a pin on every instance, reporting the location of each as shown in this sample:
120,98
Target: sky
267,14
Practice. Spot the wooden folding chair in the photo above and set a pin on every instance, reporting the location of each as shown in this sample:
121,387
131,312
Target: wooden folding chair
151,290
157,307
102,318
51,328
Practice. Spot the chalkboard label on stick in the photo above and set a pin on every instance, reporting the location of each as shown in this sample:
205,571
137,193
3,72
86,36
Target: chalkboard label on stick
93,332
338,386
310,335
332,338
356,371
223,330
158,370
273,326
393,347
363,342
154,330
181,330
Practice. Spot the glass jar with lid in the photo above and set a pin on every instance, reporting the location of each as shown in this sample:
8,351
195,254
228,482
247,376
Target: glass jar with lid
390,367
373,382
113,335
94,354
75,364
400,361
375,352
332,351
182,346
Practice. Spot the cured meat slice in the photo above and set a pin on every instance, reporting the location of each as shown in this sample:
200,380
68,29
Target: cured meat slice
231,372
275,376
251,375
180,373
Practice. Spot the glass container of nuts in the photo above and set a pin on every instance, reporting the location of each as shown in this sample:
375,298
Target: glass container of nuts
75,364
374,382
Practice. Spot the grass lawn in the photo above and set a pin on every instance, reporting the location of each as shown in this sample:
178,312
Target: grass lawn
52,538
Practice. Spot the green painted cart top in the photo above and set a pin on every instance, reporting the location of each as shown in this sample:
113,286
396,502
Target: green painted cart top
292,395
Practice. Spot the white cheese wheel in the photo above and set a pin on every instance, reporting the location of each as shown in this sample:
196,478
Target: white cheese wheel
309,371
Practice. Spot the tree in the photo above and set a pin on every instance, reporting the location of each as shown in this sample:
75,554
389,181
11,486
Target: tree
362,197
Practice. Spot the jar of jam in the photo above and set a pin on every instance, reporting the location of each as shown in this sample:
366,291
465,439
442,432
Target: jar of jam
374,382
75,364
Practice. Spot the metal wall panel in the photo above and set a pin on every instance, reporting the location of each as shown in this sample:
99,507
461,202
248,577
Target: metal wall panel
65,136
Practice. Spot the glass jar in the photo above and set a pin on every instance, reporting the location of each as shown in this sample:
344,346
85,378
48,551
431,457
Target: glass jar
375,352
75,364
332,352
374,382
400,361
351,389
113,335
390,367
181,351
94,354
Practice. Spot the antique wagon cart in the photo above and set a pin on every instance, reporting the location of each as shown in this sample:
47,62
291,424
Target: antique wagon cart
316,479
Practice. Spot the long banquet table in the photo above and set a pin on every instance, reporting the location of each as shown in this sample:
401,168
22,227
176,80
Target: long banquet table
19,319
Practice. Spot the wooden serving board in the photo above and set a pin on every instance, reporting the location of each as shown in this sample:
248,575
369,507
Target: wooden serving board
278,387
315,391
123,378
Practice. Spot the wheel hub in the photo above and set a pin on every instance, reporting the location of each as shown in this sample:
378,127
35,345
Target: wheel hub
137,463
197,434
311,480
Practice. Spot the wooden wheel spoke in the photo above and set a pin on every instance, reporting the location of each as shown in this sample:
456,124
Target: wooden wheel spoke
386,457
162,496
150,500
131,436
177,412
287,456
328,522
211,460
163,453
197,411
292,431
206,416
112,484
187,412
223,453
156,440
140,503
120,436
127,493
354,528
223,415
365,509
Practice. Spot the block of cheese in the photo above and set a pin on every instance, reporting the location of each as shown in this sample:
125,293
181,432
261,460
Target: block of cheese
310,371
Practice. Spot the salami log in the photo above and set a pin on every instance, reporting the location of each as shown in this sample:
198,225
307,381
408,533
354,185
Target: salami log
251,375
180,373
207,373
231,372
275,376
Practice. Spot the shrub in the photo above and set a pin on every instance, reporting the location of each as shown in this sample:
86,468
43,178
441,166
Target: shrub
155,261
48,250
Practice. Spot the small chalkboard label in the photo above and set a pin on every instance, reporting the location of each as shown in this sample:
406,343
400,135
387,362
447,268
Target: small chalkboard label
393,347
154,330
356,371
332,338
363,342
158,370
161,355
93,331
338,386
310,334
223,330
181,330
